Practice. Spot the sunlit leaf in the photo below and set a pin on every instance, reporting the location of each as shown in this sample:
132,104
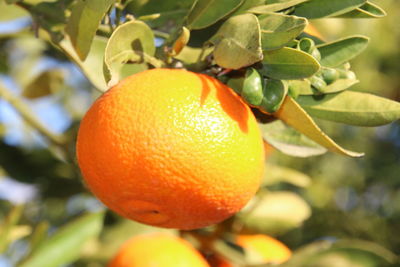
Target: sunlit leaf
11,12
338,52
238,42
92,67
207,12
275,212
8,224
273,6
66,244
276,174
278,29
368,10
247,4
296,117
83,23
314,9
289,141
130,42
354,108
289,64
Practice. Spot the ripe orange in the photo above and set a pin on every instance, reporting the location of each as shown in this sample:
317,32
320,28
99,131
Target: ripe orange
157,250
262,249
171,148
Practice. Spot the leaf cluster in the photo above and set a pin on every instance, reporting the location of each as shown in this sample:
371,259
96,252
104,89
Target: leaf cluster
263,49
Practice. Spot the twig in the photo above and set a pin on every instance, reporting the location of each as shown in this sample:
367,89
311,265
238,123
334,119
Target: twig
27,114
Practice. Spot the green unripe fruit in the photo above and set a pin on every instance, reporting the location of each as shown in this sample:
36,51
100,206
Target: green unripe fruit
275,92
329,75
252,91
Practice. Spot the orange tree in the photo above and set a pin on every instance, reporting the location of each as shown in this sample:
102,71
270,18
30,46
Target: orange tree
275,67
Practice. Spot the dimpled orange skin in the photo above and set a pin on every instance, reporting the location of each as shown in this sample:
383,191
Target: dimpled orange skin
157,250
171,148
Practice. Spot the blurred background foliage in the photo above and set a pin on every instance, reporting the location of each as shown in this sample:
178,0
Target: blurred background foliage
310,204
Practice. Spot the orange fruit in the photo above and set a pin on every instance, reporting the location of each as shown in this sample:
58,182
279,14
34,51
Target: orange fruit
262,249
311,30
171,148
157,250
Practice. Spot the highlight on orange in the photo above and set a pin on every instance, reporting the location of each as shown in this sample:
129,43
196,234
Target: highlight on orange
171,148
157,250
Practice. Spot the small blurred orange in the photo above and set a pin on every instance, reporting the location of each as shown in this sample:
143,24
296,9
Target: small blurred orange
158,250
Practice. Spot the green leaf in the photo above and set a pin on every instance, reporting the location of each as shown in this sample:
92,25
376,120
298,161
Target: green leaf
278,29
304,87
288,64
315,9
273,6
292,113
11,12
247,4
289,141
238,42
7,225
354,108
92,67
66,244
85,18
277,174
208,12
190,55
44,84
349,253
368,10
275,213
338,52
130,42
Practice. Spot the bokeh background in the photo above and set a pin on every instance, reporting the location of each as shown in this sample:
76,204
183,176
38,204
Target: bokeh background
344,198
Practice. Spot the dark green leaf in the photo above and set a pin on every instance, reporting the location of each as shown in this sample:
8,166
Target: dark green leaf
368,10
278,29
130,42
66,244
338,52
289,141
238,42
83,23
208,12
352,108
288,63
314,9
